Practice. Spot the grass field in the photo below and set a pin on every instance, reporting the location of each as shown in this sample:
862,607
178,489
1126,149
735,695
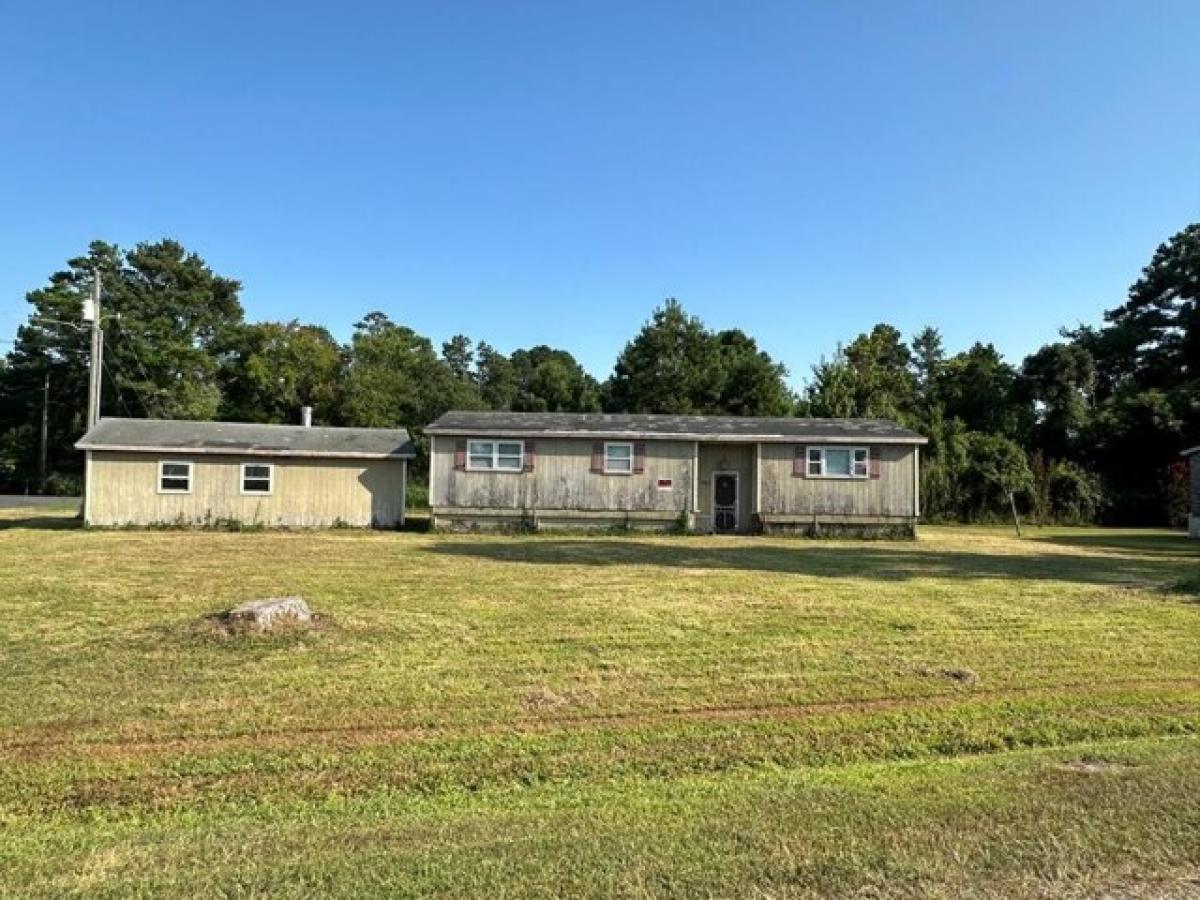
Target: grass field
966,715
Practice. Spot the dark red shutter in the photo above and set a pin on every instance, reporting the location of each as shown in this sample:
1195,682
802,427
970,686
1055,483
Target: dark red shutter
598,457
639,457
460,454
800,463
530,455
874,467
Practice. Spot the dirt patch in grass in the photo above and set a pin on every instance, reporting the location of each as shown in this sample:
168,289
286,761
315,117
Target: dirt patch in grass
963,676
543,698
1095,765
61,743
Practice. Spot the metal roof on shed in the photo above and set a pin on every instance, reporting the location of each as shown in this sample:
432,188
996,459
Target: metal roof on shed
697,428
246,439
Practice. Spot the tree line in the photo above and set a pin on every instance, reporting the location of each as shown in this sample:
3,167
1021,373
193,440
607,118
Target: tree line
1087,428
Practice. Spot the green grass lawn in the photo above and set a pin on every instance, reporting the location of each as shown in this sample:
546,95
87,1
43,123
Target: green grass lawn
965,715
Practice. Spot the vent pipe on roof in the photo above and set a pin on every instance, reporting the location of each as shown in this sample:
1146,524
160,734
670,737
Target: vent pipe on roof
306,416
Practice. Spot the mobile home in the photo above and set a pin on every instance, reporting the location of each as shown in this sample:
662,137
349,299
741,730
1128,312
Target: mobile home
708,473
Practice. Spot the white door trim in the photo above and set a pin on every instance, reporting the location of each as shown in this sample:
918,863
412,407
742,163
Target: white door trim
737,495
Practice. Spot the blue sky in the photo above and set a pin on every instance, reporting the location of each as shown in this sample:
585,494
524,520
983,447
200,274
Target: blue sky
549,172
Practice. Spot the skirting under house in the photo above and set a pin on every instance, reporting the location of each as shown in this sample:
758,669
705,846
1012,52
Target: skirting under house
720,474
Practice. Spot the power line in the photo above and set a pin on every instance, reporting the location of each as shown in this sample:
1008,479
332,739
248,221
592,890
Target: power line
117,387
129,344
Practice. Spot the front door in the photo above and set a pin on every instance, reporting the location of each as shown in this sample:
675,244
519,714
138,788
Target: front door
725,501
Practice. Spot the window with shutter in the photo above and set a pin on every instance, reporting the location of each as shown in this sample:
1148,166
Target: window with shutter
839,462
618,458
495,456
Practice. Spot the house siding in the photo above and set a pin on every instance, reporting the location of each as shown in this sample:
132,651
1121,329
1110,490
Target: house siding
890,496
561,489
307,492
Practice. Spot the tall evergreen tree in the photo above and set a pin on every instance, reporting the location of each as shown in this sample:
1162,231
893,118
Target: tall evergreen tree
271,369
677,365
1161,316
752,383
397,379
164,310
459,356
1061,379
549,380
673,365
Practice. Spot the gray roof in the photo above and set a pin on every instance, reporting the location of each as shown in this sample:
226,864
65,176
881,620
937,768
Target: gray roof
246,439
694,428
1190,451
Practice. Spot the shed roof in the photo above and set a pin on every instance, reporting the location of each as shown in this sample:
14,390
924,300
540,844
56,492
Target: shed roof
696,428
246,439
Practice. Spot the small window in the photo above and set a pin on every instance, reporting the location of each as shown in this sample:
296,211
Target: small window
257,478
860,462
618,458
665,484
815,466
174,477
838,462
496,456
479,454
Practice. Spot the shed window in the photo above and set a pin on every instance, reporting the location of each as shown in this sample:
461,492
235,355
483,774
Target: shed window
174,477
257,478
618,458
838,462
495,456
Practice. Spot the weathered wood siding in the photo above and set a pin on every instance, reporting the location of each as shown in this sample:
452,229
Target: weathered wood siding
889,496
562,480
738,458
307,493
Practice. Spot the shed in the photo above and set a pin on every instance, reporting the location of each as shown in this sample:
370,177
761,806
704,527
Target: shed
160,471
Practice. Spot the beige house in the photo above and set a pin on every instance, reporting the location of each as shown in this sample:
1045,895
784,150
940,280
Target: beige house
708,473
158,471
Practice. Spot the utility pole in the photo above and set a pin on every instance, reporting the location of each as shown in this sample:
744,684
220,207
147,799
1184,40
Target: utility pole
97,356
45,434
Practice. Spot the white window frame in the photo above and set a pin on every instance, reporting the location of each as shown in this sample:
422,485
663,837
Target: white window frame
191,473
495,456
611,471
815,454
270,467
